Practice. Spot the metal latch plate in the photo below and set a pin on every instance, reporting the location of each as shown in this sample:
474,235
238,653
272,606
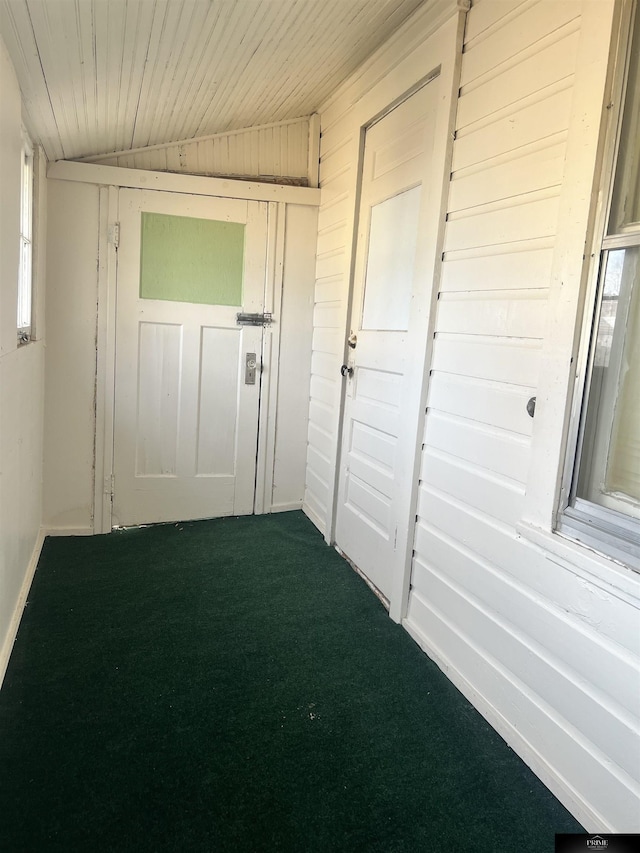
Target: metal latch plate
254,319
250,365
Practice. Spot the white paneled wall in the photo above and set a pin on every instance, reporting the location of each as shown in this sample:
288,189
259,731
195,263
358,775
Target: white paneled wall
524,635
542,636
275,150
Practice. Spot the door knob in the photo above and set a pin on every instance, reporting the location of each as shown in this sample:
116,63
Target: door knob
345,370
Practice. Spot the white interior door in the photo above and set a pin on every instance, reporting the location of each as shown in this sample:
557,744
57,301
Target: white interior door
186,406
391,290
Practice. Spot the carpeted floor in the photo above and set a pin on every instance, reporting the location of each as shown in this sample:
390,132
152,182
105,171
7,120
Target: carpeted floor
232,685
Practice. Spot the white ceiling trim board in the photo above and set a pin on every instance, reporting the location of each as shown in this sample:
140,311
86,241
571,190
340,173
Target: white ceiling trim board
65,170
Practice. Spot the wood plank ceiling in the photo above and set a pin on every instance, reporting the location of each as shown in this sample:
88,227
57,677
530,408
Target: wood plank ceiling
109,75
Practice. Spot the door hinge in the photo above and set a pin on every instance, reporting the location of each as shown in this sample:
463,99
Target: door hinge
114,234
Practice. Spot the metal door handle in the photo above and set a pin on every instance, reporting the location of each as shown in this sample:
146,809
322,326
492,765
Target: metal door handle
250,365
345,370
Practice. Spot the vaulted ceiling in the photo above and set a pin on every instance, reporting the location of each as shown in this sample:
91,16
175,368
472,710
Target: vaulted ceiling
109,75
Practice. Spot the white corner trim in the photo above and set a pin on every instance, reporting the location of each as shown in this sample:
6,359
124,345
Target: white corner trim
90,173
313,167
10,638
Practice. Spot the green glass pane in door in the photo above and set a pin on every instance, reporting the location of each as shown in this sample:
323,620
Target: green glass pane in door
184,259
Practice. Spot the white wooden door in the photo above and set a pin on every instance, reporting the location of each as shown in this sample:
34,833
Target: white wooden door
391,288
185,428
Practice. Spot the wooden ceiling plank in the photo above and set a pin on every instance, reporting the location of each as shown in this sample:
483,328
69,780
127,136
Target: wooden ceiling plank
247,97
15,23
198,53
310,57
137,33
184,40
201,72
85,33
53,61
164,15
109,18
231,59
347,45
163,130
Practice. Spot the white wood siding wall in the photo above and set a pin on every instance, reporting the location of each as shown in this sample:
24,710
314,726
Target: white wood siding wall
274,150
541,636
549,657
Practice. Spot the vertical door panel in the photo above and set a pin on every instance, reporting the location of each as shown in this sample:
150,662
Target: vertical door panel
159,378
220,378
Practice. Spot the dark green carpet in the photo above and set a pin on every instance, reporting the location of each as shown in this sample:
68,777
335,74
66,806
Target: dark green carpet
232,685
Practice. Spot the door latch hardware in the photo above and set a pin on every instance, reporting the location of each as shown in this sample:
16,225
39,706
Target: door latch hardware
250,364
345,370
254,319
352,340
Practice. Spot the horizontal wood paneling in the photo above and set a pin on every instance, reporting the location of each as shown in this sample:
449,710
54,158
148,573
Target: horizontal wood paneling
502,222
514,131
499,451
482,489
485,605
549,656
568,762
505,86
512,360
527,269
507,313
491,403
513,34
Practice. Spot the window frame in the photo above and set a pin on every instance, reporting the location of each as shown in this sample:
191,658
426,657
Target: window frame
613,534
25,290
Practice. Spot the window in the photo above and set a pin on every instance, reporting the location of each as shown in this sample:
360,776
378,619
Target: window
25,274
603,510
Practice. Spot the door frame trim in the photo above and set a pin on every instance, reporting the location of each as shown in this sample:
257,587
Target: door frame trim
105,362
265,453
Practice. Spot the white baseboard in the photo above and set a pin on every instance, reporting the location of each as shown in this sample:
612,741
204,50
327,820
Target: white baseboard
12,631
570,799
69,531
288,507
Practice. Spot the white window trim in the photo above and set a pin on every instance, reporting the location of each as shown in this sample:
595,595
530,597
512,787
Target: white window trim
25,331
612,534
